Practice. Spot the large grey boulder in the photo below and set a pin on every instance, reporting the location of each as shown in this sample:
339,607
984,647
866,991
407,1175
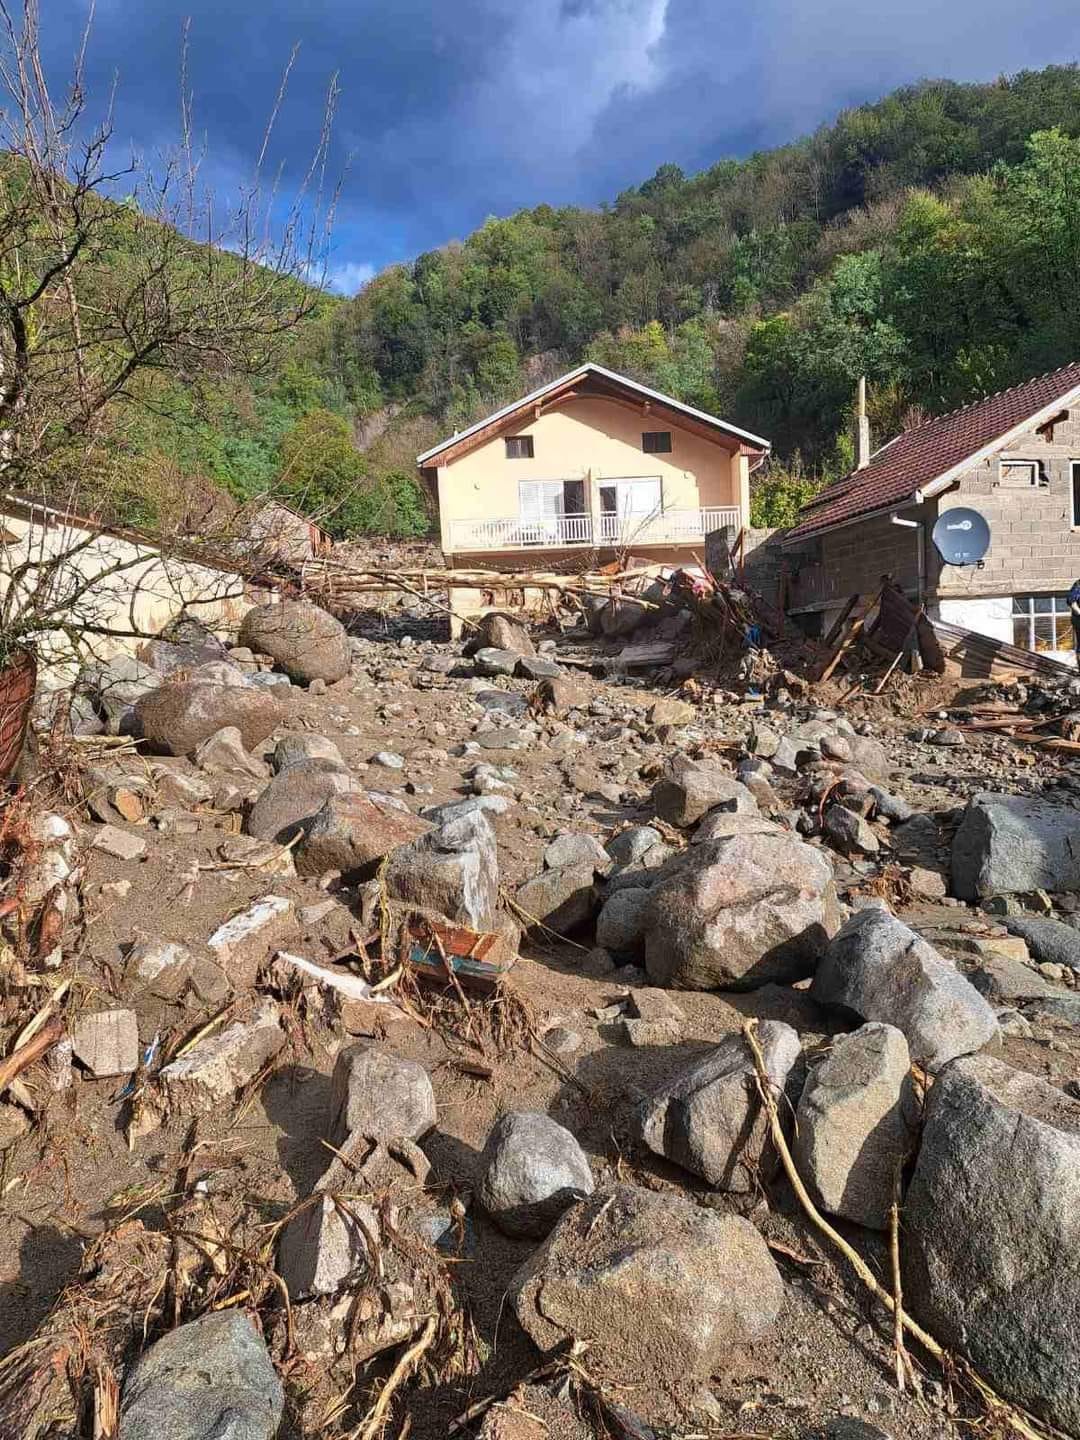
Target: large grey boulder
620,926
117,686
1050,941
353,832
212,1379
453,870
178,716
303,640
652,1281
295,796
741,912
532,1169
689,789
853,1127
561,900
992,1232
709,1119
1008,844
379,1095
501,632
577,849
878,969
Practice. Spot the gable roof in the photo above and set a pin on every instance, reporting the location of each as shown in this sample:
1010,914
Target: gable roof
921,462
592,380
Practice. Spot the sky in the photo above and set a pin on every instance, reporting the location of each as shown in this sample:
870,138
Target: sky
454,110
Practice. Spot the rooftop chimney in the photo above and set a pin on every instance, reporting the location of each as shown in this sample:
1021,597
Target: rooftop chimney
862,428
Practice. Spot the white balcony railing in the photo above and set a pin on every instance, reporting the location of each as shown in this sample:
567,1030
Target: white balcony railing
668,527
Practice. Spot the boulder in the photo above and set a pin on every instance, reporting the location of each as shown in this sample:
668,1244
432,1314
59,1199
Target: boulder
1050,941
870,757
178,716
992,1232
878,969
689,789
1005,981
741,912
849,832
224,750
453,869
532,1170
210,1379
117,686
294,749
654,1282
303,640
854,1124
490,661
500,632
620,926
1008,844
292,799
379,1095
621,616
538,667
630,846
572,849
560,694
327,1246
354,832
708,1117
562,900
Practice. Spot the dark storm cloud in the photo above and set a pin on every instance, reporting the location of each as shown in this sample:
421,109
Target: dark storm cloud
455,109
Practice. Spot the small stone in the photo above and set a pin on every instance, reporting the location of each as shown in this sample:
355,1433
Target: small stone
120,844
928,884
388,760
224,750
378,1095
107,1043
850,832
532,1170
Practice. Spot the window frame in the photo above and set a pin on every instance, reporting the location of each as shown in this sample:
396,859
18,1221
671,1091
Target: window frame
1056,611
1037,471
1074,492
647,435
529,451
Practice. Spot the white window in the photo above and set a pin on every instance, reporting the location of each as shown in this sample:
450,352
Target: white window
1022,474
1042,622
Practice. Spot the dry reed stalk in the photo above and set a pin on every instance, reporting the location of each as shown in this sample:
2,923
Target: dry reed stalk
407,1362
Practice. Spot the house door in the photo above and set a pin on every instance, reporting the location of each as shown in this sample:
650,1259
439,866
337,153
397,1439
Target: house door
627,506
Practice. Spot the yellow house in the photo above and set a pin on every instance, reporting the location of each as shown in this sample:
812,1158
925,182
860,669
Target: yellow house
592,461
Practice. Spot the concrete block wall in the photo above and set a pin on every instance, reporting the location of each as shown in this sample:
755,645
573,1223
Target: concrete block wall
1034,547
853,559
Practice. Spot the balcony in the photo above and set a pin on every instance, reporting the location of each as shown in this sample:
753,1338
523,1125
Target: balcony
610,531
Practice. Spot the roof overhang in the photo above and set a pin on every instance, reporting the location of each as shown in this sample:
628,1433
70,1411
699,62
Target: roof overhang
596,382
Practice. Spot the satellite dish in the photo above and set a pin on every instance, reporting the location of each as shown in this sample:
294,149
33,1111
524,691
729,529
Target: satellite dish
962,537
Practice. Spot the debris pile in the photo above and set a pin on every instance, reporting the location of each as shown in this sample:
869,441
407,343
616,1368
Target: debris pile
441,1039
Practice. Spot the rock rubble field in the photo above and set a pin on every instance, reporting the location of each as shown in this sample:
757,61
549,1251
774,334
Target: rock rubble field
401,1080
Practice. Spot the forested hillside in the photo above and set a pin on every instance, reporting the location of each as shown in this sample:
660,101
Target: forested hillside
930,241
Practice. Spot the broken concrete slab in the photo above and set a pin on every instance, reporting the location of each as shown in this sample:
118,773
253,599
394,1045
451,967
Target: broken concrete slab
107,1043
212,1072
245,941
120,844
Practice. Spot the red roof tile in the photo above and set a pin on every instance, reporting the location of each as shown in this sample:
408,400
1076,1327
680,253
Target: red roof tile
922,454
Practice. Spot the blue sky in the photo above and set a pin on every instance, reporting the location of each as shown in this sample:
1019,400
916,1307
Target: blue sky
452,110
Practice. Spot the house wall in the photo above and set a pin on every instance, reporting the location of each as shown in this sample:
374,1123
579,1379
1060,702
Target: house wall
587,437
105,586
1034,547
